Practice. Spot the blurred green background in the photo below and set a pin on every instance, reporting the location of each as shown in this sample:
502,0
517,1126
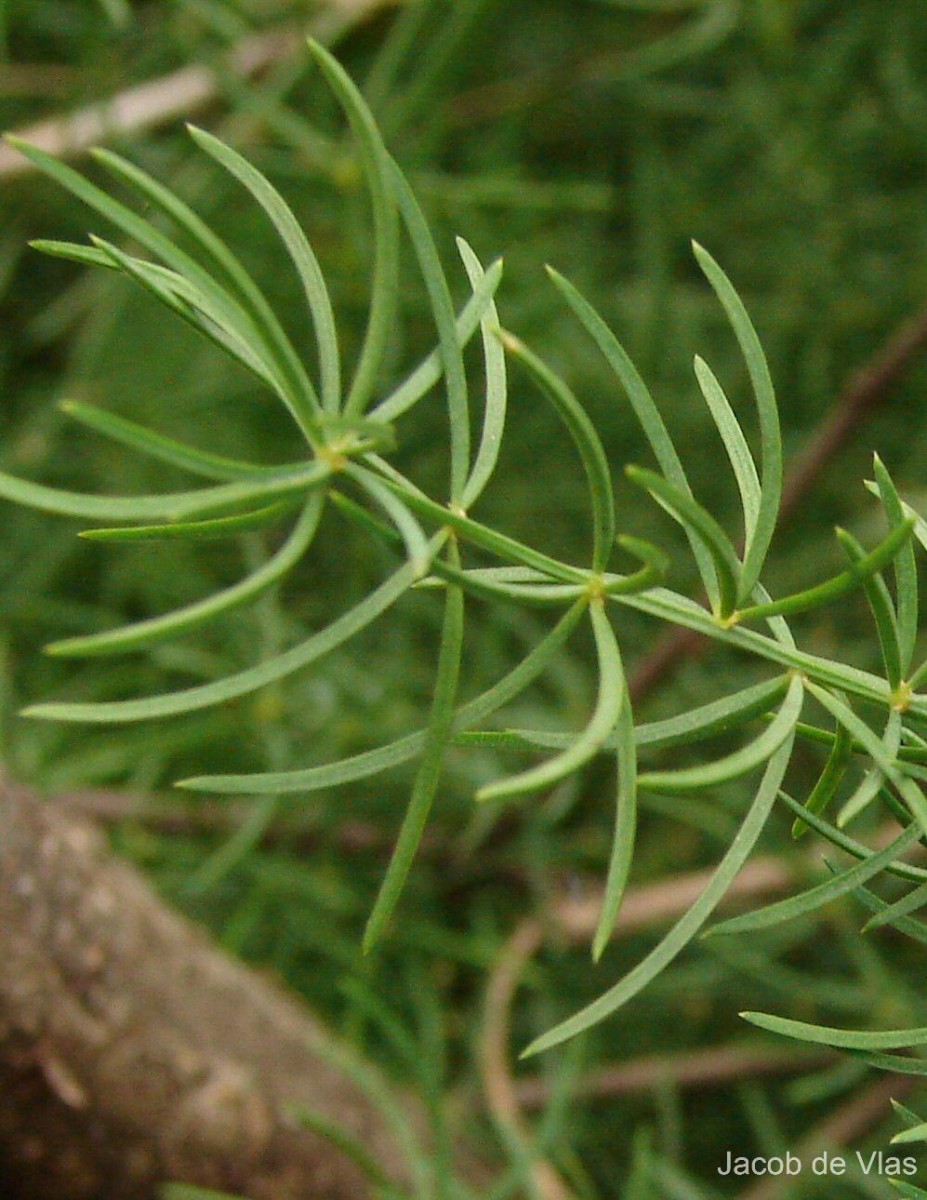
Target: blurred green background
787,136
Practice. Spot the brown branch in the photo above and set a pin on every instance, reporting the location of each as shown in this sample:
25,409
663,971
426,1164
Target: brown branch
132,1051
863,392
691,1069
180,94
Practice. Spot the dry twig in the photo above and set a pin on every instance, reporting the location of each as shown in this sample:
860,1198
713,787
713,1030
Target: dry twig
178,95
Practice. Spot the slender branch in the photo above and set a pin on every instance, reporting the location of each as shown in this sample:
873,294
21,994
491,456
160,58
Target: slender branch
179,94
691,1069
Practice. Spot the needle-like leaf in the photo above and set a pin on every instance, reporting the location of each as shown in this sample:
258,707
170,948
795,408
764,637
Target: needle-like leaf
823,791
880,603
371,762
587,442
738,452
494,409
429,771
844,1039
593,737
157,446
904,566
839,585
623,837
379,175
240,684
700,526
770,435
449,348
300,251
155,629
813,898
645,410
732,766
694,918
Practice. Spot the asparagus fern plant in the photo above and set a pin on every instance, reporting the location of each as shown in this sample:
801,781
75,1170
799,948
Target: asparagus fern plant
345,426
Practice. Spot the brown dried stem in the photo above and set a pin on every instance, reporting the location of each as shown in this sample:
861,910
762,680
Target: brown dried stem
180,94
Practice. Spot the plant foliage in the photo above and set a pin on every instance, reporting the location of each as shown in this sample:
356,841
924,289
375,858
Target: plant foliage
346,420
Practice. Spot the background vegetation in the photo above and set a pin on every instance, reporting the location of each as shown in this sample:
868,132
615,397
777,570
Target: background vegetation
788,138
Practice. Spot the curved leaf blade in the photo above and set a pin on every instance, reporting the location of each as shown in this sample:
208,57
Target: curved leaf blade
593,737
428,776
587,442
842,1039
155,629
770,434
301,255
689,924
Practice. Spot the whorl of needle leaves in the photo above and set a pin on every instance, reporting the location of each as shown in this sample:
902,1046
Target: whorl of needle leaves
347,431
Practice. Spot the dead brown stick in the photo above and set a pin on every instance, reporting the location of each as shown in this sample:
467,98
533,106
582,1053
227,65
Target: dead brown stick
180,94
133,1052
691,1069
864,391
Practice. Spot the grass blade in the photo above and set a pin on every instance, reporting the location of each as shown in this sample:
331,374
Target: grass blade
155,629
689,924
301,254
770,434
429,772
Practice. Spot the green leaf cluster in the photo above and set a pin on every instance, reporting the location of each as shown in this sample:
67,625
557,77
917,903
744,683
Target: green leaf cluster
346,419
